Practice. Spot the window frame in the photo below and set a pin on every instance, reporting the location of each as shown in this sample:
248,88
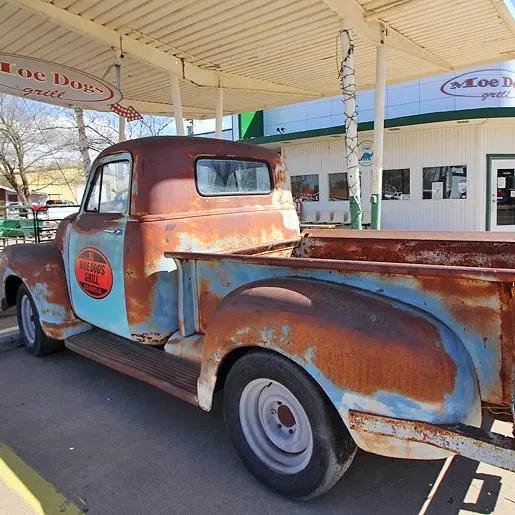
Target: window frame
463,166
95,170
236,194
316,174
408,169
346,174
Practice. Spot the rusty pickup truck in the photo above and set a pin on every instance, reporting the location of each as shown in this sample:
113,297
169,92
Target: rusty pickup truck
185,268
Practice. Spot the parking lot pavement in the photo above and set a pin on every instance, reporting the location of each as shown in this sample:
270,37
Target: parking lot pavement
113,445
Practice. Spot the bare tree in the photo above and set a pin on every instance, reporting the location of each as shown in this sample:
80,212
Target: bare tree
36,141
82,138
24,146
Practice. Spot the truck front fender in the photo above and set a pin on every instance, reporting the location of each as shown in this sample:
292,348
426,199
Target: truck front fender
41,268
367,352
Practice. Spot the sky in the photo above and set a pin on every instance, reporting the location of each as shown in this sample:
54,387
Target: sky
511,6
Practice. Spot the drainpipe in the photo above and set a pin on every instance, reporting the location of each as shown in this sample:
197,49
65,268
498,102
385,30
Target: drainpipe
219,113
348,85
177,105
377,170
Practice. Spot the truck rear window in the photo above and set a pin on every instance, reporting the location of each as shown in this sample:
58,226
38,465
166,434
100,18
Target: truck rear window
217,177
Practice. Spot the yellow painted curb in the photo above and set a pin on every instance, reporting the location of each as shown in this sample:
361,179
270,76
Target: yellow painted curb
35,491
9,329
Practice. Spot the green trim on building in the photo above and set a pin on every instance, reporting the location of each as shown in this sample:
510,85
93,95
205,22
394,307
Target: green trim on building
489,159
251,125
416,119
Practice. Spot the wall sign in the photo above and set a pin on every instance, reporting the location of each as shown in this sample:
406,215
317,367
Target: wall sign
365,153
93,273
484,84
45,81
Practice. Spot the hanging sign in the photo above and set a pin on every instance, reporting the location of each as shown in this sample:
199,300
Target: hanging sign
45,81
484,84
93,273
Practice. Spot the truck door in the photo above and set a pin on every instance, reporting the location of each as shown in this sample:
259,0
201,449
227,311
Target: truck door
96,244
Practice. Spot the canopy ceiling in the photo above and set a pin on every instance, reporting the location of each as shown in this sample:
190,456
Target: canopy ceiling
263,53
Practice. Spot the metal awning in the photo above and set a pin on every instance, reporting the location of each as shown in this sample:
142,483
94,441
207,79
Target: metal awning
263,53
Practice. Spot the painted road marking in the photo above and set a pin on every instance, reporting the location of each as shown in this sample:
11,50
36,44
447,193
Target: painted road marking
23,490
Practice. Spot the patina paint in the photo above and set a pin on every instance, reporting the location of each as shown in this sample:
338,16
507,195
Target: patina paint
426,287
167,212
41,268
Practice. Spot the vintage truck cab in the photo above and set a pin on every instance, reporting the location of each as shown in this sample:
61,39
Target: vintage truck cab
185,268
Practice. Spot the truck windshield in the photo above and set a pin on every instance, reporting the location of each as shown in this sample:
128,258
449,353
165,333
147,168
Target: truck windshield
217,177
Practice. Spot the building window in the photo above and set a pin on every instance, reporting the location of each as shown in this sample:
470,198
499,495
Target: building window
338,187
216,177
442,182
396,184
305,187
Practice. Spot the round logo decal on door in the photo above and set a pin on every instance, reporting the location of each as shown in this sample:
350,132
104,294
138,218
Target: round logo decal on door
93,273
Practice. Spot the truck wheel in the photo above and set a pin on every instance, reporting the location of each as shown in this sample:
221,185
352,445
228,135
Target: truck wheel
283,428
35,340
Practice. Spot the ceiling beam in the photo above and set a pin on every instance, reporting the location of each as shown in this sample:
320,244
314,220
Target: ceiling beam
386,9
157,58
354,14
158,108
503,11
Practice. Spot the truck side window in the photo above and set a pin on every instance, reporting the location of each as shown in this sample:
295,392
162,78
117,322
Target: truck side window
217,177
109,192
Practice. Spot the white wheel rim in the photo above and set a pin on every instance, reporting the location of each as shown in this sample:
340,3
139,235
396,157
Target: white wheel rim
27,320
276,426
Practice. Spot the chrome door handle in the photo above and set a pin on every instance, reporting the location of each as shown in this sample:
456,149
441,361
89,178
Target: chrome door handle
115,232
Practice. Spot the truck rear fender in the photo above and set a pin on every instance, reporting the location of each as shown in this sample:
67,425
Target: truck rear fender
41,268
367,352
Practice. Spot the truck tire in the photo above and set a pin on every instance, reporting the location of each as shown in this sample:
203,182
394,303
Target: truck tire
36,341
283,427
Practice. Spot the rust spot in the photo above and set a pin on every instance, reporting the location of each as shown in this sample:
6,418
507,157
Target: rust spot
41,268
456,249
474,304
363,343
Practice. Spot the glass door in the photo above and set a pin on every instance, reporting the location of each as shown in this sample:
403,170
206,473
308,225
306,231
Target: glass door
503,195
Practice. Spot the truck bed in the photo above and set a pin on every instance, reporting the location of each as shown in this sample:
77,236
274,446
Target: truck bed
464,280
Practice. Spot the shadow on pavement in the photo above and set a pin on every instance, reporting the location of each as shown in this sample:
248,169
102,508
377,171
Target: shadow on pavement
121,446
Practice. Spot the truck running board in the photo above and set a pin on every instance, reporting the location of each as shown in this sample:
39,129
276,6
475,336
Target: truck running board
153,366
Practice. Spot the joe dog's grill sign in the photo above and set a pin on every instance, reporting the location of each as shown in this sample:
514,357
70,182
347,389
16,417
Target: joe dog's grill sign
484,84
41,80
93,273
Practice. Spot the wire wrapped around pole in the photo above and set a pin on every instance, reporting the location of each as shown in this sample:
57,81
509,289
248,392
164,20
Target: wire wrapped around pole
347,78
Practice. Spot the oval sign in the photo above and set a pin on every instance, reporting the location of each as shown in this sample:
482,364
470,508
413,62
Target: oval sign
489,83
45,81
93,273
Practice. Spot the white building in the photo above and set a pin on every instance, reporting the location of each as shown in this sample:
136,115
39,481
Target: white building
449,157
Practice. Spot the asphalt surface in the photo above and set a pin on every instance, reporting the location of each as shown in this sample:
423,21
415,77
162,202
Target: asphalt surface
114,445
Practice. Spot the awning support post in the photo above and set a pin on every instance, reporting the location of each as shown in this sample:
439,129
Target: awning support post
219,113
348,86
177,105
377,170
